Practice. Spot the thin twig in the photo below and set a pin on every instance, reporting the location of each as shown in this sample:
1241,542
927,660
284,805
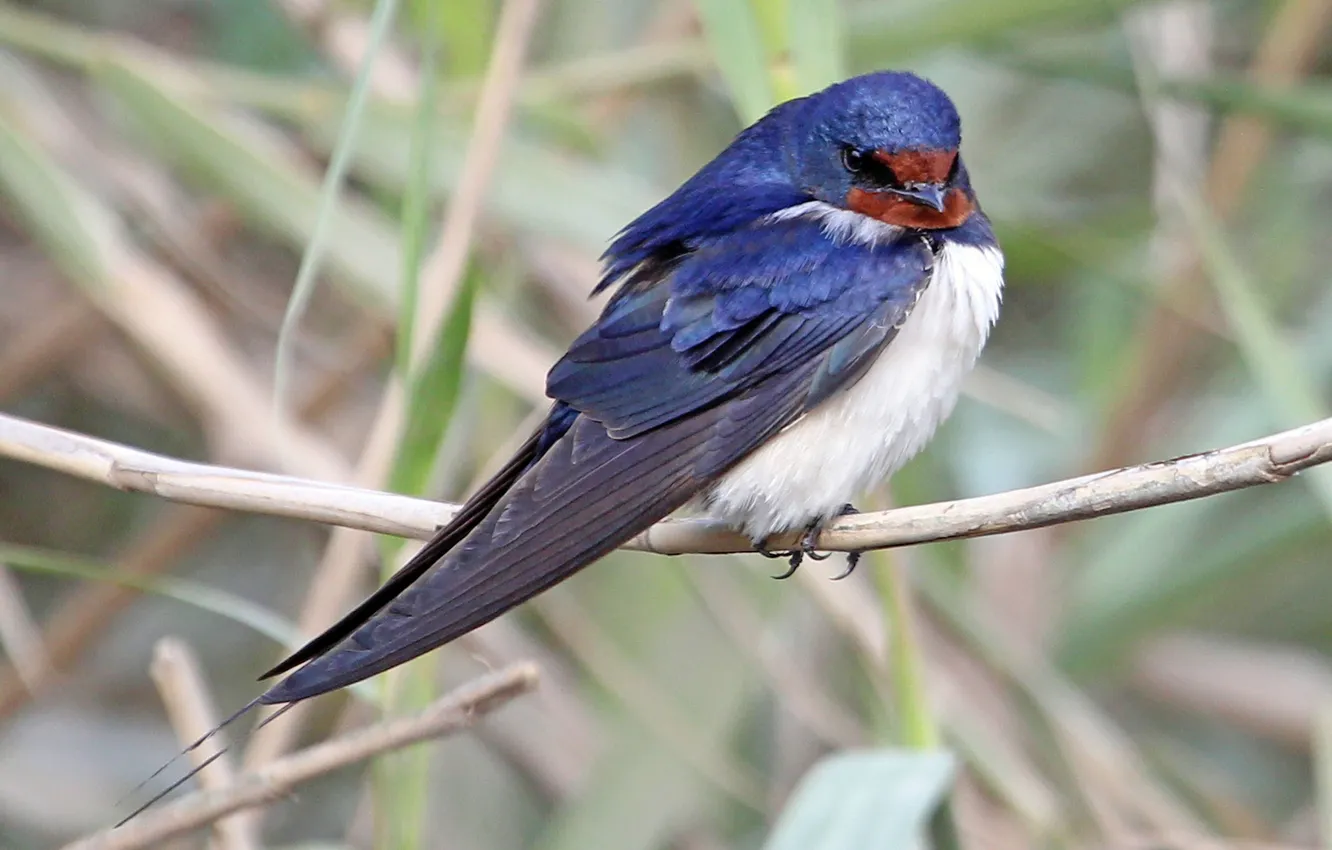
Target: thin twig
1164,347
86,611
1272,691
1264,461
344,37
343,554
19,636
456,711
45,344
190,707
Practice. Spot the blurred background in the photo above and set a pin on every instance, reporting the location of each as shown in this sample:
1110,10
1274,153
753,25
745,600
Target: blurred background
1160,178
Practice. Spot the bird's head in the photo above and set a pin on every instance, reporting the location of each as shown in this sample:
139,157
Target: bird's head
884,145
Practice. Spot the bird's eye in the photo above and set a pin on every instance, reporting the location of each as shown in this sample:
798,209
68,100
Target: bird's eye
952,170
854,160
868,168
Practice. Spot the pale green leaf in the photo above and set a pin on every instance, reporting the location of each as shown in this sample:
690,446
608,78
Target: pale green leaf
737,44
870,800
815,31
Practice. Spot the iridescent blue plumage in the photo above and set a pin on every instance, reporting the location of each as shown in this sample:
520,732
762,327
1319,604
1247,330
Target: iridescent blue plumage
765,286
738,309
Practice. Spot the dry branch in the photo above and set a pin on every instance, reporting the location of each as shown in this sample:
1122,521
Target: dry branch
1164,346
1264,461
20,638
339,568
457,710
190,708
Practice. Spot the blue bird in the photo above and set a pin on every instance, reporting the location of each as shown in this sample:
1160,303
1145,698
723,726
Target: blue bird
788,328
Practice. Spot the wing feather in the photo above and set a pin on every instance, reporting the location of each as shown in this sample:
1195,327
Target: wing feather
682,377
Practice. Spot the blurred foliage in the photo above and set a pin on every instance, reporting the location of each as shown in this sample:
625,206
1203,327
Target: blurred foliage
1158,672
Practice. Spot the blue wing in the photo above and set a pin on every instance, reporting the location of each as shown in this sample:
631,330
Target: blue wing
739,309
700,357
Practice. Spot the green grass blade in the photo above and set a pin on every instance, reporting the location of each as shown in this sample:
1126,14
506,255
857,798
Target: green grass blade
1267,352
363,249
816,43
416,196
918,729
227,605
402,779
433,394
381,20
464,26
737,44
71,225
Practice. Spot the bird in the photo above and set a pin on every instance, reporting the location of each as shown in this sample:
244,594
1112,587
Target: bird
785,330
788,328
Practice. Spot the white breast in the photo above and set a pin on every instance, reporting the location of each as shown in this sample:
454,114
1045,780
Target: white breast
865,433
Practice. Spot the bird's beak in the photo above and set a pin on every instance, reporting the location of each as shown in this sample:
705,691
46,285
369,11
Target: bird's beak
929,195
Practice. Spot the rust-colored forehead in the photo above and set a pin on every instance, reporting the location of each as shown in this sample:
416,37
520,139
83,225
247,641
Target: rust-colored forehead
918,166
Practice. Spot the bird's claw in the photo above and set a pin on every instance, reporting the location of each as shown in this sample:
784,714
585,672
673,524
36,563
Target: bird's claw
796,558
808,542
852,559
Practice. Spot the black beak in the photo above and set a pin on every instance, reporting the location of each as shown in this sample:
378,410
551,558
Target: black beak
927,195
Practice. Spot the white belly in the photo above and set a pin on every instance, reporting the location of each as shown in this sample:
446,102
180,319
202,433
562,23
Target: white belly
865,433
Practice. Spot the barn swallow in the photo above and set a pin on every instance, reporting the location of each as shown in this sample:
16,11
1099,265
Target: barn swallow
787,328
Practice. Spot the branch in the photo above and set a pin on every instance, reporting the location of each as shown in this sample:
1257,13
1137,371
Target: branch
192,713
1265,461
458,710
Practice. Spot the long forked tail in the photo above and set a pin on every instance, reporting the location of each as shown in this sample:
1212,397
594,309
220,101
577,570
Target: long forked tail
580,501
467,518
194,771
552,511
584,497
445,539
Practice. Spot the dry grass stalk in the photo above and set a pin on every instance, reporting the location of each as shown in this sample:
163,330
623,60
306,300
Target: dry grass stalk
1268,460
1166,345
190,708
340,567
458,710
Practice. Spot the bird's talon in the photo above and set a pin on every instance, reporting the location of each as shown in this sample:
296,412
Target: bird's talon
852,559
796,559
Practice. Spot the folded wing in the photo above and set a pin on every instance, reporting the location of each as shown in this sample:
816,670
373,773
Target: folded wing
697,360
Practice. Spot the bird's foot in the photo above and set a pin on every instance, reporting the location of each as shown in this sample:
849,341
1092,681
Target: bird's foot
807,549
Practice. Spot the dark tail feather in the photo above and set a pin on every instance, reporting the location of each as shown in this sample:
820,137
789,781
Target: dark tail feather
583,498
159,796
246,709
471,513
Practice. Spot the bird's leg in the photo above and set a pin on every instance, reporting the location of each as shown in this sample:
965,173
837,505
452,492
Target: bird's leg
852,558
